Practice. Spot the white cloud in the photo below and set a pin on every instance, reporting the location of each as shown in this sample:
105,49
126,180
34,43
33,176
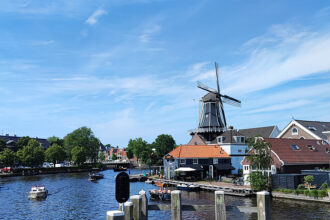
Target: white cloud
146,36
95,16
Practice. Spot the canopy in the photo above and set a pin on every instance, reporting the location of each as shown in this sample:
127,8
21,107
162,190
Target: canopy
185,169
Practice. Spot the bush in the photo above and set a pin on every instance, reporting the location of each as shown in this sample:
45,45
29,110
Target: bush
286,191
322,193
301,186
300,191
324,186
313,193
306,192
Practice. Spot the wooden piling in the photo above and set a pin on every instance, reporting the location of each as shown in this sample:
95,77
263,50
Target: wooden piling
137,205
263,205
115,215
128,210
144,205
220,206
176,205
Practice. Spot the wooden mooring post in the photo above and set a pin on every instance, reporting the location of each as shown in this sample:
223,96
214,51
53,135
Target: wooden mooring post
263,205
220,206
138,208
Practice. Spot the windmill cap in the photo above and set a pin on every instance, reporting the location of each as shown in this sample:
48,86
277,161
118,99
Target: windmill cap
210,97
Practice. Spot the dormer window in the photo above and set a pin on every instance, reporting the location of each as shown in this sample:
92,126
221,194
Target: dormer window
295,147
294,131
312,128
327,150
311,147
221,139
239,139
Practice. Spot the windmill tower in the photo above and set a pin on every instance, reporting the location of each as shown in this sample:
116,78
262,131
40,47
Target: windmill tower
212,119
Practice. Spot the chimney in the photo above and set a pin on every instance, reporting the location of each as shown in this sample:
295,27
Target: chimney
231,127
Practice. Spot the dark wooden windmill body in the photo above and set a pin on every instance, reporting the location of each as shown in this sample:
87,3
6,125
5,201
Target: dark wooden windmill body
212,119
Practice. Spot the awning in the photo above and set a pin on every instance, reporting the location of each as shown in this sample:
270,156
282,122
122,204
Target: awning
185,169
197,167
224,166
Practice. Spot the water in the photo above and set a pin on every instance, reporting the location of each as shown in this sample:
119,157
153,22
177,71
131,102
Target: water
72,196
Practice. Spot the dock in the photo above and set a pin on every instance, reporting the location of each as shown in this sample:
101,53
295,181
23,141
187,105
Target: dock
243,191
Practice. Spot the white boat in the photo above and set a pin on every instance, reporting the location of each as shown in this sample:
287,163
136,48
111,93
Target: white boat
186,187
38,192
149,181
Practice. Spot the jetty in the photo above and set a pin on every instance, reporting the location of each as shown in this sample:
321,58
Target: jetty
228,189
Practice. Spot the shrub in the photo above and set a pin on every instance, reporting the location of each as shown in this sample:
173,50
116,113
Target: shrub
313,193
288,191
299,191
308,180
301,186
306,192
324,186
322,193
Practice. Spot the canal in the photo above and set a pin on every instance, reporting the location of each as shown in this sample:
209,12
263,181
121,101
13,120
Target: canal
72,196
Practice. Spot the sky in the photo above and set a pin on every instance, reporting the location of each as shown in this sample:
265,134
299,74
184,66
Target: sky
129,68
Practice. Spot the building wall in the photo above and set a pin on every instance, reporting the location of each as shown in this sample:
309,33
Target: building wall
301,133
237,153
169,167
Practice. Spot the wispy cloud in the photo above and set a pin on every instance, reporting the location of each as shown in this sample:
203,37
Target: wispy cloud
43,43
93,19
146,36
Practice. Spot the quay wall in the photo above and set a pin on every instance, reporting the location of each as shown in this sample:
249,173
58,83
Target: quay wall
300,197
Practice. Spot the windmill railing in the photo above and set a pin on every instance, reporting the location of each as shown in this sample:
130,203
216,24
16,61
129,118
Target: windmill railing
210,129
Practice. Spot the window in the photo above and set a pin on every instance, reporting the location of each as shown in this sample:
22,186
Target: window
295,147
302,138
182,161
242,139
327,150
311,147
294,131
312,128
215,160
195,161
240,150
221,139
246,167
239,139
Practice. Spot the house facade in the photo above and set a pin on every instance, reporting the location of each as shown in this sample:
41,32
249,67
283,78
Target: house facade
293,155
120,153
302,129
209,161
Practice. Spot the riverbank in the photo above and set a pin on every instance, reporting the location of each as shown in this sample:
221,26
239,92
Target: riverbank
300,197
41,171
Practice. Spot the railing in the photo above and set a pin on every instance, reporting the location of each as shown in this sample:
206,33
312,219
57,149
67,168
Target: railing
138,208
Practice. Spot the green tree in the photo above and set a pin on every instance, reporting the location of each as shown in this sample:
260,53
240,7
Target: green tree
309,180
2,145
114,157
55,153
137,146
8,158
102,156
55,140
78,155
22,142
260,159
32,153
82,137
163,144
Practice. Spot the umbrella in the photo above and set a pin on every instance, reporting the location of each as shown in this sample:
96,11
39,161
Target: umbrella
185,169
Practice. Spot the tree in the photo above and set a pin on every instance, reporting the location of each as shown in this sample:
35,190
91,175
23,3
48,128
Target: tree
102,156
137,146
2,145
78,155
22,142
163,144
32,153
309,180
55,140
8,158
114,157
55,153
260,159
82,137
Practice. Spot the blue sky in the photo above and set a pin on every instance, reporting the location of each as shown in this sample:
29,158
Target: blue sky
129,69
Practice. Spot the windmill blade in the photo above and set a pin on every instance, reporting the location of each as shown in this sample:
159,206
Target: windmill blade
223,114
231,101
206,88
216,73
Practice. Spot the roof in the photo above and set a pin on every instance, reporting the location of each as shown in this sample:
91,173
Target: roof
309,152
320,127
13,139
210,97
264,132
198,151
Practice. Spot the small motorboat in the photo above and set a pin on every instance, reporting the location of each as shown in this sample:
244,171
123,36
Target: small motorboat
118,169
38,192
187,187
160,194
148,181
95,176
160,184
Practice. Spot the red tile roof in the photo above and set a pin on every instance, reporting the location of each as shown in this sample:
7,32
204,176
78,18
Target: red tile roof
198,151
304,155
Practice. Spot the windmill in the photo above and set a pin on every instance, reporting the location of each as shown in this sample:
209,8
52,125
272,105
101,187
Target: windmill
212,119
